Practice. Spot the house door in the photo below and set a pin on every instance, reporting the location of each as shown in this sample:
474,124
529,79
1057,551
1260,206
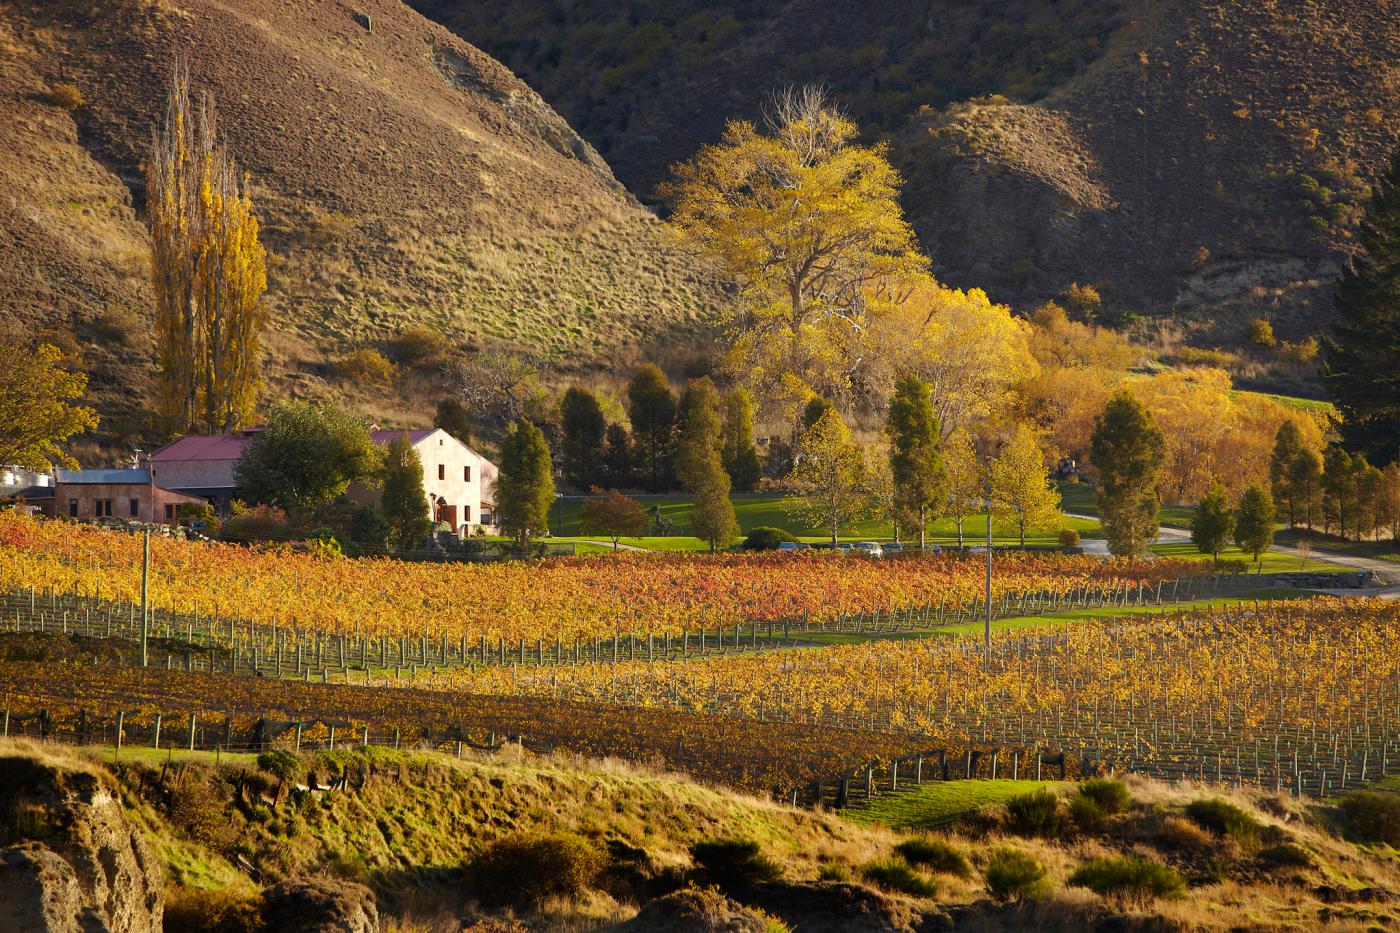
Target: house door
447,513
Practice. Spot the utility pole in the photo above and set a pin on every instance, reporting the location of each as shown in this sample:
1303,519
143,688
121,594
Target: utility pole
987,625
145,594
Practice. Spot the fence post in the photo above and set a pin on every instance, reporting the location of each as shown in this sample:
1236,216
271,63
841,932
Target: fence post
364,736
6,732
296,738
155,733
192,724
396,739
332,741
121,720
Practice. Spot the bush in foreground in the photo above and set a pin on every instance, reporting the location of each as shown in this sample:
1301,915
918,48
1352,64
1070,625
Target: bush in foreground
766,538
1110,794
1373,815
1036,813
1224,819
191,910
935,855
734,863
1012,874
523,870
1131,878
895,874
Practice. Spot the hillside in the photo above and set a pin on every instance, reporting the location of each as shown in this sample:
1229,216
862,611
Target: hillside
401,176
1202,158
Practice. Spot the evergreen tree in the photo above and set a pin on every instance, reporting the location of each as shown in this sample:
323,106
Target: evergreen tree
652,410
739,454
404,501
1305,483
583,425
1288,447
812,412
452,417
1127,450
1362,355
699,468
1338,490
917,471
618,461
1254,528
1213,522
524,485
1020,485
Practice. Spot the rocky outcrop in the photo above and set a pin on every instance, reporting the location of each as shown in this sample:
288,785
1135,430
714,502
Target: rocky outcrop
320,905
694,911
73,860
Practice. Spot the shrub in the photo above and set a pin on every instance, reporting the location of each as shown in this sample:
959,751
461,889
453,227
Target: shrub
523,870
833,871
367,366
1013,874
198,810
1110,794
1374,815
1286,855
113,327
765,538
257,522
1179,833
419,346
1086,812
1224,819
280,763
65,95
1261,333
221,910
1069,537
1036,813
732,863
895,874
934,854
1128,877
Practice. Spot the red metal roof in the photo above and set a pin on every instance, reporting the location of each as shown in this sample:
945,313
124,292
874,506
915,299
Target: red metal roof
231,446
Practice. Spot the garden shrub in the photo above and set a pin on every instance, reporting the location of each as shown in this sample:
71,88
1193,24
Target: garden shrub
1012,874
523,870
1374,815
1036,813
732,863
935,855
1128,877
766,538
1069,538
1224,819
1109,793
895,874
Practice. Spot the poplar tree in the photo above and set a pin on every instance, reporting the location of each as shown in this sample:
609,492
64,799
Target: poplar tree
404,501
739,454
208,270
919,476
1126,448
1362,355
524,488
1213,522
699,467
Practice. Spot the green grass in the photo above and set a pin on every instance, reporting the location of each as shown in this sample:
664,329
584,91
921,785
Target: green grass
941,803
1270,561
757,509
1083,499
1310,405
152,756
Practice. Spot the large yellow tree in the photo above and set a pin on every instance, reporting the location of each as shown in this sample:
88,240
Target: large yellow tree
207,267
38,405
809,224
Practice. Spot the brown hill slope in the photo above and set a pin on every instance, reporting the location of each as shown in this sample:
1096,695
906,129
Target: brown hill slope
401,176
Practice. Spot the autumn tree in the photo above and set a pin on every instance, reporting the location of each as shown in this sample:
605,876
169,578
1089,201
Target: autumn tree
651,407
208,269
452,417
581,419
809,223
524,489
306,456
918,477
1254,527
1362,355
830,476
1020,485
699,467
1390,501
613,515
1126,449
1213,522
39,407
966,484
739,454
404,501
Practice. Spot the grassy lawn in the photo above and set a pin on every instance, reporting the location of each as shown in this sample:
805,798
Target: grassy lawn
1378,550
758,509
1082,499
153,756
1310,405
941,803
1271,561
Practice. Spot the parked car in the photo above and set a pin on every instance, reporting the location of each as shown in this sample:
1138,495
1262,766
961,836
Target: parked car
870,548
793,546
894,548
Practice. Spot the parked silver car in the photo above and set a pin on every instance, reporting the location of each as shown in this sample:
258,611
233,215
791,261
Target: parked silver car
870,548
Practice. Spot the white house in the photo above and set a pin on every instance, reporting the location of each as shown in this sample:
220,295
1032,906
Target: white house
458,481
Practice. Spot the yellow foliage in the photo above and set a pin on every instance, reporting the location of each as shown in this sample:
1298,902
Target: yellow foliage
37,405
367,366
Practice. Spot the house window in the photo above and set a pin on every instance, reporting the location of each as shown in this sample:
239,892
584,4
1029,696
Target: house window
102,508
135,508
72,508
442,471
170,511
466,474
466,515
